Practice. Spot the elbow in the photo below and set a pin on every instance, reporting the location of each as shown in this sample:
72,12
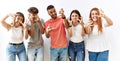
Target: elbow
47,35
42,32
26,37
110,24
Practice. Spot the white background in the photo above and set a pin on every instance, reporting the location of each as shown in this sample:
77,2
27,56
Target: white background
110,7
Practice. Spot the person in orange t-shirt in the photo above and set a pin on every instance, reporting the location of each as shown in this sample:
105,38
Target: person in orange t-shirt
55,29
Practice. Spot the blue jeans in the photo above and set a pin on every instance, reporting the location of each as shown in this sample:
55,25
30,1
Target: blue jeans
98,56
35,54
76,51
13,50
58,52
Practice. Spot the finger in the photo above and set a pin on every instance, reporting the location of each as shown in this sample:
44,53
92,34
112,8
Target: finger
91,25
53,28
61,11
101,11
48,26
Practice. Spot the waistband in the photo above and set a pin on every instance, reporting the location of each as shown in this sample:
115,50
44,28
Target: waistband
16,44
77,42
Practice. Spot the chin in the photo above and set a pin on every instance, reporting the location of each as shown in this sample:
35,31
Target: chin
94,19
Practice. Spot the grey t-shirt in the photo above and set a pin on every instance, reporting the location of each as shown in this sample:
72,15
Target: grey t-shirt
37,40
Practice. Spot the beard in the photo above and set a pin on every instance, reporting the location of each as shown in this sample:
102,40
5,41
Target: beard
54,16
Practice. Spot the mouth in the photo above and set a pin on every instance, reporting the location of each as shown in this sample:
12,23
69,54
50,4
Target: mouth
94,18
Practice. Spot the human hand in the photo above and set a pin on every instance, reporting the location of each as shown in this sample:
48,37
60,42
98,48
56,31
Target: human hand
61,11
90,23
24,25
37,18
101,13
30,18
12,15
81,20
49,29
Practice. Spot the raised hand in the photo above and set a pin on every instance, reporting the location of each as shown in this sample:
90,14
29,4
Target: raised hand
12,15
37,18
61,11
23,24
101,13
30,18
90,23
81,20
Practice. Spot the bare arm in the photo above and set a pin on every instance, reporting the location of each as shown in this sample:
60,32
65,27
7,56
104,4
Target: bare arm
47,34
41,27
83,31
83,28
88,27
108,20
69,31
26,34
5,24
66,23
31,31
25,30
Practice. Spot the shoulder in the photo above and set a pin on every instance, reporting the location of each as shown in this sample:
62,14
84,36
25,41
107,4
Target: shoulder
48,21
60,20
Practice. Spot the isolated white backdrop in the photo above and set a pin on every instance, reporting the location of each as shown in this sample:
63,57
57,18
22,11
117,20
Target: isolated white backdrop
110,7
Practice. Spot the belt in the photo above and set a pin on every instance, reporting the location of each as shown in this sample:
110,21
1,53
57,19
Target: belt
16,44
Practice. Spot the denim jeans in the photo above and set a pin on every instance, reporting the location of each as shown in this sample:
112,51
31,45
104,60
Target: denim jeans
35,54
58,52
13,50
98,56
76,51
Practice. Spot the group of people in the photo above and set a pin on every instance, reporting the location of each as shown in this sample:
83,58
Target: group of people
55,28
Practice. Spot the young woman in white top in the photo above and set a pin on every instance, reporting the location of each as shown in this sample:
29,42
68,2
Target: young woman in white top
97,45
76,48
17,32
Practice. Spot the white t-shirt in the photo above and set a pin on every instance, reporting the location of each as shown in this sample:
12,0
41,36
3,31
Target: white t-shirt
97,42
16,35
76,34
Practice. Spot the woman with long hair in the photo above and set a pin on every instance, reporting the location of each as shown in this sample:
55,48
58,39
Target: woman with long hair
17,32
76,48
97,45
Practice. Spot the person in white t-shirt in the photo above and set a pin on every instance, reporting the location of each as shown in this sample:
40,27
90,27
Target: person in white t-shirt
97,44
76,48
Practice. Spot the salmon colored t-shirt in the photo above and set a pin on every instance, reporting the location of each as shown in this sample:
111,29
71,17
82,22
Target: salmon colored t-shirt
58,35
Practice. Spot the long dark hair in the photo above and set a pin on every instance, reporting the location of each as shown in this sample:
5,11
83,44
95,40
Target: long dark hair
77,12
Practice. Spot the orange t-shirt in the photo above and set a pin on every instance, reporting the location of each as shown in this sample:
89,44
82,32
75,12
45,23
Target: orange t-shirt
58,35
